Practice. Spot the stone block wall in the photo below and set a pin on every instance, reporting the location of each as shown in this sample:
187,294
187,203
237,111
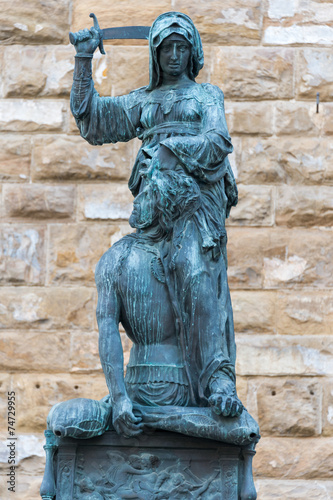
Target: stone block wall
63,203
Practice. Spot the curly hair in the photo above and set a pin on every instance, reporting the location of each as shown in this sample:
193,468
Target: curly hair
177,196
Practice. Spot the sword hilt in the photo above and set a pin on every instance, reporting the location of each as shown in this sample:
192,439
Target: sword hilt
74,38
96,26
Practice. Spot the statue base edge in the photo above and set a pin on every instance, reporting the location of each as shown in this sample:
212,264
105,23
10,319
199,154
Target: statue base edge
158,465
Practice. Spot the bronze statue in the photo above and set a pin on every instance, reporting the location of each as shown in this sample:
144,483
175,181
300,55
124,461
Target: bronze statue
167,282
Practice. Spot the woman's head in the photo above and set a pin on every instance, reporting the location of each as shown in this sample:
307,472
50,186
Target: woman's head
168,26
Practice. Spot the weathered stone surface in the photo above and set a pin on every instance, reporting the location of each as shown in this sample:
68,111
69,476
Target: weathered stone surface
270,489
304,206
104,202
128,68
297,118
289,458
328,408
37,393
250,118
19,115
245,250
255,207
27,488
118,13
285,355
280,258
34,351
46,308
235,22
69,158
253,73
315,74
300,257
22,251
84,356
290,160
300,399
39,201
76,248
30,456
5,386
33,21
15,158
328,118
52,75
305,312
254,312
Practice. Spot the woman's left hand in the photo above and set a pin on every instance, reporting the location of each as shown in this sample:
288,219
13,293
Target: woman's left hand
166,159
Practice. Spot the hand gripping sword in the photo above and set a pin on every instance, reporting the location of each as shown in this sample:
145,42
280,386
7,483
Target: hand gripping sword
126,32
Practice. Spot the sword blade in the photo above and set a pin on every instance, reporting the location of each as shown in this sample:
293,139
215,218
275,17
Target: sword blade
126,32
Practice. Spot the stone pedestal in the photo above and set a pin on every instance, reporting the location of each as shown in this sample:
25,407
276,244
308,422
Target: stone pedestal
161,465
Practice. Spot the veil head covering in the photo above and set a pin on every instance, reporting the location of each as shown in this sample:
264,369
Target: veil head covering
165,25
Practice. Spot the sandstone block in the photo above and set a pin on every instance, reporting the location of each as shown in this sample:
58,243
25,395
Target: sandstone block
297,118
104,202
250,118
22,251
328,408
241,386
52,75
270,489
286,160
68,158
19,115
76,248
315,74
40,351
128,68
30,453
5,386
285,355
46,308
38,392
298,258
27,488
235,22
71,125
15,158
35,22
84,354
254,73
254,312
305,312
304,206
254,208
38,201
279,258
296,458
328,118
297,35
289,407
245,250
118,13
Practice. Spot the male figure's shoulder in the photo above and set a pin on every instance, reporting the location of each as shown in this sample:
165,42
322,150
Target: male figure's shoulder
110,264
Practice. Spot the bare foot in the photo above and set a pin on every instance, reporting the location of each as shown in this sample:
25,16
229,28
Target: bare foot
223,398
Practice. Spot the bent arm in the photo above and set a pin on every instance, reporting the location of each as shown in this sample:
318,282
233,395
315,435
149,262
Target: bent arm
101,120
